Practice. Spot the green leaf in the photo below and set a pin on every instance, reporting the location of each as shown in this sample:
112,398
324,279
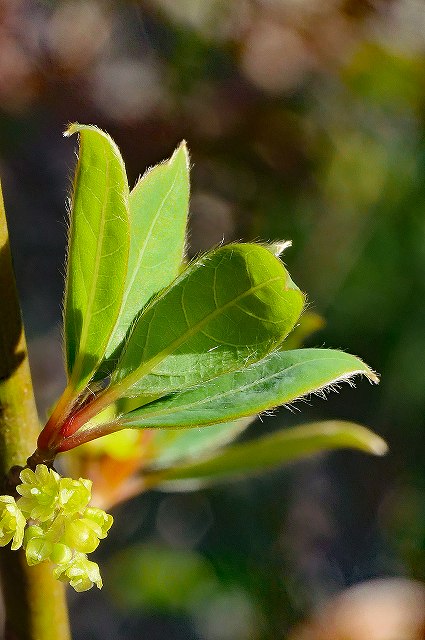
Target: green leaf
229,308
158,216
271,451
97,254
170,446
280,378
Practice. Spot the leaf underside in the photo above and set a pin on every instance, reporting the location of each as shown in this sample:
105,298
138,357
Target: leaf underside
269,452
278,379
167,447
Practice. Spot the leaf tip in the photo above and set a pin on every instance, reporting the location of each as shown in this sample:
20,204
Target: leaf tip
72,128
367,440
278,247
182,149
373,376
378,446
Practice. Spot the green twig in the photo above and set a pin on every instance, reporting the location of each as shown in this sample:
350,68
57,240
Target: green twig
34,601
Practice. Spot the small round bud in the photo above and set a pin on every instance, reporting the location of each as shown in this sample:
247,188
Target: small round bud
60,553
12,523
80,536
74,495
37,550
39,491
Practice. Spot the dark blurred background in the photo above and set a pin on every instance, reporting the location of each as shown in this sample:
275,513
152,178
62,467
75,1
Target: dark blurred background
306,121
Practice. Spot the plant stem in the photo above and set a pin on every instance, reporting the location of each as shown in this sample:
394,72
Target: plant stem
34,601
57,417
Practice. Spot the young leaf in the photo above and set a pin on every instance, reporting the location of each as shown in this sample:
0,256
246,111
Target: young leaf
270,451
230,308
280,378
158,215
97,254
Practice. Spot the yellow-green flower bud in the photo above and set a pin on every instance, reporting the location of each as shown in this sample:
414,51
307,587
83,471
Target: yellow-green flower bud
31,532
61,527
74,495
37,546
12,523
60,553
80,572
82,533
38,550
80,536
98,520
39,491
40,545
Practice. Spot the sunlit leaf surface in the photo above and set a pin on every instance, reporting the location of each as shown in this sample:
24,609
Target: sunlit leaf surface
97,254
158,216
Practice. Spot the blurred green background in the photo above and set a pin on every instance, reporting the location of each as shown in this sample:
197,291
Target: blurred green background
306,121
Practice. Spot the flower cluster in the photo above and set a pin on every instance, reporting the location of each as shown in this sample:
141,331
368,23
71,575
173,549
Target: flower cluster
52,521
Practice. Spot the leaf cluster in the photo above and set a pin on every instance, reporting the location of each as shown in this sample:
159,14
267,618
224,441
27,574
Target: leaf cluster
153,343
